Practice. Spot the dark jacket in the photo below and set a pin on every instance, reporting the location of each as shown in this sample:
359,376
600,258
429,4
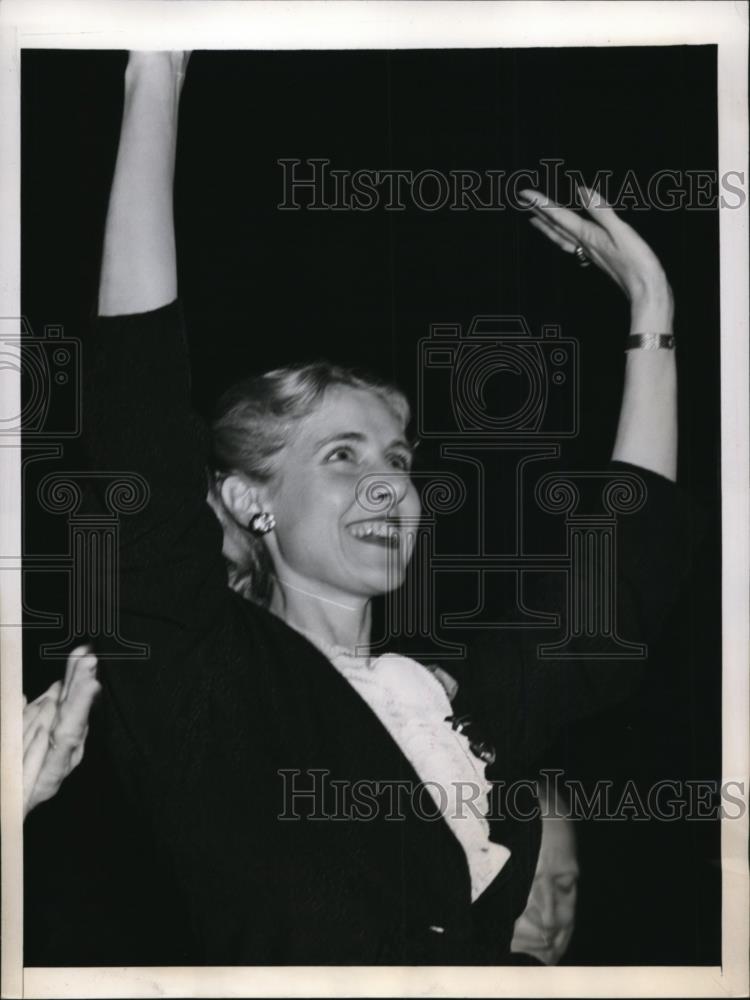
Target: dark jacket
233,710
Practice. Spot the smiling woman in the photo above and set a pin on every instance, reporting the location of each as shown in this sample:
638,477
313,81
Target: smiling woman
317,447
261,713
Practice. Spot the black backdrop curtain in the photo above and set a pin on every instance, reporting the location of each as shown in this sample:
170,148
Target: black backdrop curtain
264,287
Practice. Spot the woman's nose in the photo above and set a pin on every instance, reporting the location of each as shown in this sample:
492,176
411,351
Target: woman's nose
381,492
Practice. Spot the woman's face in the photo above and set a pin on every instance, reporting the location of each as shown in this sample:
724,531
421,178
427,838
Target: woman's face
346,509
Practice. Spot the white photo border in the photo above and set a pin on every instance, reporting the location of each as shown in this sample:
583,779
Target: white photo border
397,24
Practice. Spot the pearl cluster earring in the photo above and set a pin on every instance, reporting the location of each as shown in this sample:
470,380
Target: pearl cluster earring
261,524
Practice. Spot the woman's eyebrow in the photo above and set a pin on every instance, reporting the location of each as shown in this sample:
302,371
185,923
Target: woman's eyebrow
341,436
401,443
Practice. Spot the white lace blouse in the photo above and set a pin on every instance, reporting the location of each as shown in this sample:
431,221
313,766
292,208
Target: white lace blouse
413,704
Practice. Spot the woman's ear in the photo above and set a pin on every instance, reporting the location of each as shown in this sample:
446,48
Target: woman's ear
241,497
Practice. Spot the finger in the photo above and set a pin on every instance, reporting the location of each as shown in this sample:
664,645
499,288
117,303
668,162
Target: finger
45,768
599,210
566,222
63,741
73,717
584,237
33,759
30,727
80,657
53,692
564,242
71,724
602,262
40,712
30,716
43,721
46,714
555,227
81,678
77,756
48,701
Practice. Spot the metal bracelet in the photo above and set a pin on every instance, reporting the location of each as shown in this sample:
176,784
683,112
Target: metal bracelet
650,342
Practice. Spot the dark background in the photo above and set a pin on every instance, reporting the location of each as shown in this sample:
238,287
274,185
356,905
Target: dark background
263,287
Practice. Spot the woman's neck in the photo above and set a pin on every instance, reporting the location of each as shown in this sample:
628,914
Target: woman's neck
332,622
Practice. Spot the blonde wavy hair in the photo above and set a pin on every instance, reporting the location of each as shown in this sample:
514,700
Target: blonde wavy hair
253,421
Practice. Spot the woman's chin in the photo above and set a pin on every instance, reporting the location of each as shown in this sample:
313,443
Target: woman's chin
381,571
385,581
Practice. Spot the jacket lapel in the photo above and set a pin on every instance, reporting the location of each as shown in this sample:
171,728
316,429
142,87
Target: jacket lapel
331,728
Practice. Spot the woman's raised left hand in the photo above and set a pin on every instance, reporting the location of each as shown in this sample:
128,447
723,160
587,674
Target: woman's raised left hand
609,242
647,427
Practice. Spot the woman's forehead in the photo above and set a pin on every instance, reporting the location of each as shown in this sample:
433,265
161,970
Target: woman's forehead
345,410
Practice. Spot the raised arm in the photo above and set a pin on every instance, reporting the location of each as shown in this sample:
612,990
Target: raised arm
654,544
140,427
647,429
139,263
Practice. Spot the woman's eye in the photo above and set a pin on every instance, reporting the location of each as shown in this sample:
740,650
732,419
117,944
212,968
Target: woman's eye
401,461
340,454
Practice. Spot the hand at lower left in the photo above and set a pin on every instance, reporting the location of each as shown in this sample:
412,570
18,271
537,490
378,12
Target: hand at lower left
55,726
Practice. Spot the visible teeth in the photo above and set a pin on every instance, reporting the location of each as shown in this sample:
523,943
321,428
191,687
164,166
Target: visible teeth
378,528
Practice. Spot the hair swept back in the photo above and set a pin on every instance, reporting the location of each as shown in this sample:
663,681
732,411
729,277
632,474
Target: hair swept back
253,420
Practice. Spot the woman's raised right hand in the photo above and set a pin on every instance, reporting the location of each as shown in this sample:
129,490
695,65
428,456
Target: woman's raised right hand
173,62
139,266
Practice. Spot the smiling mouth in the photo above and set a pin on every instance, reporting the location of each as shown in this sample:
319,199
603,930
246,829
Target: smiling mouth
382,533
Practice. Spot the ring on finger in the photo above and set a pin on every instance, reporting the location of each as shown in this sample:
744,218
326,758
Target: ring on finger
583,258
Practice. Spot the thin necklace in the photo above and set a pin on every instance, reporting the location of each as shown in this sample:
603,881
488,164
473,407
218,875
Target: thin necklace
317,597
348,650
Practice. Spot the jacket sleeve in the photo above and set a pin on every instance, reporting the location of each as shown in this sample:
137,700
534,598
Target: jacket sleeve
170,586
523,697
192,730
138,419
